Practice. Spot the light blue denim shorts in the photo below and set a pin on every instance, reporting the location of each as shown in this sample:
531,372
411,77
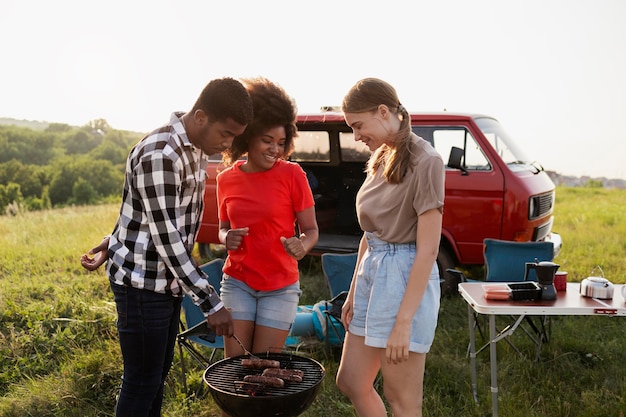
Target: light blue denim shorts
275,309
381,282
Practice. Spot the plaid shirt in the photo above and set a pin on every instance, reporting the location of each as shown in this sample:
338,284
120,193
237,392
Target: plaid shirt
150,247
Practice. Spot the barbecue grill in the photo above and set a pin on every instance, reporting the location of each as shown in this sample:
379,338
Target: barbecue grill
243,400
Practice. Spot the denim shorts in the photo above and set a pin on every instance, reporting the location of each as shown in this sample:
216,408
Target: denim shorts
275,309
381,282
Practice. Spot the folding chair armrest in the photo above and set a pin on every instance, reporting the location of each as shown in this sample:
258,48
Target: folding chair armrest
459,275
201,329
336,304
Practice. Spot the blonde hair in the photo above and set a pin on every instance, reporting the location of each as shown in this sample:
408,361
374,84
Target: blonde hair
365,96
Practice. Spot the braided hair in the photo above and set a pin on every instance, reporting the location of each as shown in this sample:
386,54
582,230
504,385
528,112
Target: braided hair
365,96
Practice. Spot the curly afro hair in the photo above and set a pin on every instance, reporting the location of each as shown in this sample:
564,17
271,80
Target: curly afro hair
272,107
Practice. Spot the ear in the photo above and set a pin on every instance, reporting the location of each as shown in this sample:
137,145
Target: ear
200,117
383,110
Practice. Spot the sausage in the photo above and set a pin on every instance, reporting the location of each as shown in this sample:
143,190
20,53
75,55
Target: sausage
258,363
268,381
288,375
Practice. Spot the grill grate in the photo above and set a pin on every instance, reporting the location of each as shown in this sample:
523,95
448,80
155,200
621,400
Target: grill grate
222,375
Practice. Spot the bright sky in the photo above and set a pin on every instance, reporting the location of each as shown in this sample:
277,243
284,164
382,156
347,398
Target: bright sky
553,72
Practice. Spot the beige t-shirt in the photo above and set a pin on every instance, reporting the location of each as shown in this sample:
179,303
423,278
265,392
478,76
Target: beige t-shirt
390,211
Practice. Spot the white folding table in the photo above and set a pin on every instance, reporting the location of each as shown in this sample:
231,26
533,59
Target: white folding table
567,303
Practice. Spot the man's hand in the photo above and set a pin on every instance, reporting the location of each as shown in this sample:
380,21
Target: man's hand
91,263
221,322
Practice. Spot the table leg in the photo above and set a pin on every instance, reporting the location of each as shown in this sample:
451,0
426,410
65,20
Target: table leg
493,363
472,350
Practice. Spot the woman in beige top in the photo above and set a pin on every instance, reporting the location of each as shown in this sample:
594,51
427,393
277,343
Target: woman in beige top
393,303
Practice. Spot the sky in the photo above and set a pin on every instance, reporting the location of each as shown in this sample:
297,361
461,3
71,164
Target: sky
553,72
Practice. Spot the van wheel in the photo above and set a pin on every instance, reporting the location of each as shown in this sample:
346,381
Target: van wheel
449,283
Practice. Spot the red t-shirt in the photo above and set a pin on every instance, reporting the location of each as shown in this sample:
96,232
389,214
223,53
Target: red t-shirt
267,203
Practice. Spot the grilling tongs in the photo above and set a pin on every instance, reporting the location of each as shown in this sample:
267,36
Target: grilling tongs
246,351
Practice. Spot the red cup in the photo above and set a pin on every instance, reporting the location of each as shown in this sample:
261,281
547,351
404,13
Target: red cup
560,281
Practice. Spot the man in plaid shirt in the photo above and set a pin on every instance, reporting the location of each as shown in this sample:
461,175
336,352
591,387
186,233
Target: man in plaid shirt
149,254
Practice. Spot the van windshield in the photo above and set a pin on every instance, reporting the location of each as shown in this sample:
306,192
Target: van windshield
507,149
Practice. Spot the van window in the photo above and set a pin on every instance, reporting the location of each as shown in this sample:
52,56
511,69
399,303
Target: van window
351,150
506,148
444,138
474,159
311,146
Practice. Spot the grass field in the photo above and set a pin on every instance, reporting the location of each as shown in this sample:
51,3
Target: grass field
60,355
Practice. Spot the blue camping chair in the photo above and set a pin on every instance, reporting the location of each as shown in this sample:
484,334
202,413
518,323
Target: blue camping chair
195,330
338,269
505,261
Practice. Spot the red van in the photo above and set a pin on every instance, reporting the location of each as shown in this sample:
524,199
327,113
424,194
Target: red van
493,190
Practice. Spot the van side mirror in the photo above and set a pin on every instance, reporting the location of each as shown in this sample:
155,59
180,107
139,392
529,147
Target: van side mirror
454,161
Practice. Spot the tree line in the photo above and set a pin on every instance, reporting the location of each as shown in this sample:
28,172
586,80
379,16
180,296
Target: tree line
61,165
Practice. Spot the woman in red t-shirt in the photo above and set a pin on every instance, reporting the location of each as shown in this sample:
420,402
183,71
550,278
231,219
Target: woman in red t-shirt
260,200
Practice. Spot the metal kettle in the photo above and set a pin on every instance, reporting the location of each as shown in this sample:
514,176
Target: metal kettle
545,271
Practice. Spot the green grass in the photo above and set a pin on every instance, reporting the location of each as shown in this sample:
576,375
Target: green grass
592,222
60,355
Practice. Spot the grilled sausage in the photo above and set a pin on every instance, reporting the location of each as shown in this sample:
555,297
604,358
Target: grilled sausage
288,375
258,363
268,381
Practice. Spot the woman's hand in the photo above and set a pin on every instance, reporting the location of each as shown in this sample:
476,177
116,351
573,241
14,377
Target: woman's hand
98,256
398,343
294,246
347,311
234,238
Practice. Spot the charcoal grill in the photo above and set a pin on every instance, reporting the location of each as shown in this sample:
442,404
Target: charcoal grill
242,401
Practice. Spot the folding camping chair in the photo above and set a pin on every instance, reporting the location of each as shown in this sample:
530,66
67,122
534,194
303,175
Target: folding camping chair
505,261
338,269
195,330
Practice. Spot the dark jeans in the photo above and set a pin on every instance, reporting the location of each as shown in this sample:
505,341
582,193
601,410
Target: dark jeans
147,324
